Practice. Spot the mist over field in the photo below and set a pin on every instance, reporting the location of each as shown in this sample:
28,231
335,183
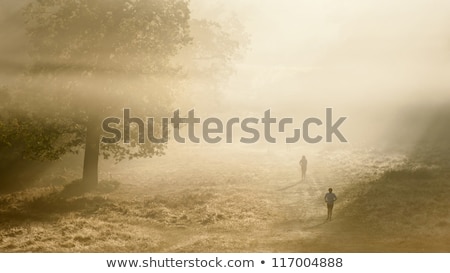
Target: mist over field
66,66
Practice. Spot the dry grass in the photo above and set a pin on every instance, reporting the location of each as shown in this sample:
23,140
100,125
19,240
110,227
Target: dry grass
248,201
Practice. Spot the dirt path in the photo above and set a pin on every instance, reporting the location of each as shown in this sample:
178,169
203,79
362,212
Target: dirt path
297,214
235,202
304,213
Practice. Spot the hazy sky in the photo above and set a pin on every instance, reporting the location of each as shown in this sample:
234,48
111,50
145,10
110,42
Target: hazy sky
367,59
377,49
347,50
373,61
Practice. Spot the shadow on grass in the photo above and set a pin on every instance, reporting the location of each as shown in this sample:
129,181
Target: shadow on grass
77,188
395,195
408,174
288,187
406,203
50,205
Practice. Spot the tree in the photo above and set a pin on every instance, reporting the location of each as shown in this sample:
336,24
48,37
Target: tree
90,59
208,61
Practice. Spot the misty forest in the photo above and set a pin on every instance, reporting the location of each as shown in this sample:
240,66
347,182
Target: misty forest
67,65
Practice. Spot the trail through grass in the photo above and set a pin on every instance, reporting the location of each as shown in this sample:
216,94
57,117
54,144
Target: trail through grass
238,201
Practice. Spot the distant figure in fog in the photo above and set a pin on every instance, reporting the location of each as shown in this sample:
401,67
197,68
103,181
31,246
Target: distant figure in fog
303,163
330,197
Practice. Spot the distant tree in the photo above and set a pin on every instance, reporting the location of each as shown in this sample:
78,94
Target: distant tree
208,61
91,58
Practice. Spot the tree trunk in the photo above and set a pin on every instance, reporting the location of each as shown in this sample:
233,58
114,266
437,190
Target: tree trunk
91,152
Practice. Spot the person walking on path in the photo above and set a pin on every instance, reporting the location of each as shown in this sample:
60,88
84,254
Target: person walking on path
303,164
330,197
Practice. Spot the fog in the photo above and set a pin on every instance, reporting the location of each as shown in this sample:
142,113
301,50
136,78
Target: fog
372,61
377,69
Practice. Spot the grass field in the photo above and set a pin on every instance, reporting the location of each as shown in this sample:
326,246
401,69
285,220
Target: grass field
236,200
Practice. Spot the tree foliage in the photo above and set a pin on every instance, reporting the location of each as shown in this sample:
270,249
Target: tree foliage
92,58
